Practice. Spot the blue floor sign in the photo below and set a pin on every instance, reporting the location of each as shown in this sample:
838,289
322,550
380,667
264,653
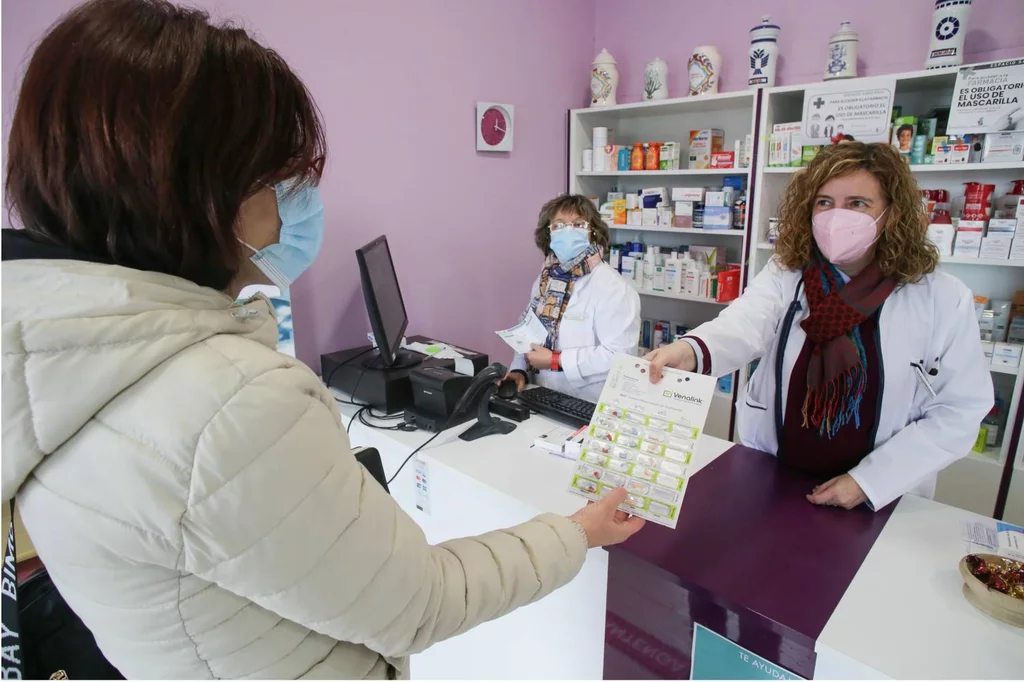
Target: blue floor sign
717,658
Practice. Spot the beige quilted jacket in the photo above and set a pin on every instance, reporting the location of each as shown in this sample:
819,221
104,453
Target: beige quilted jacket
197,503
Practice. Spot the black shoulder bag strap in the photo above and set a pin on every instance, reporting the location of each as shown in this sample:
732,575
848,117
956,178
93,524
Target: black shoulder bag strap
11,655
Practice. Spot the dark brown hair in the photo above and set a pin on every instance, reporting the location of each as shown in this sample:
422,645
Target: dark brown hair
141,128
904,251
576,204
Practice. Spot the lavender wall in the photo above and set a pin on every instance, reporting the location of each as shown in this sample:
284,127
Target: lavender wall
894,36
397,81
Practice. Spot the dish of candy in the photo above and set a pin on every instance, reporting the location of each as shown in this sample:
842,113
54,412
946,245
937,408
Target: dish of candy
995,585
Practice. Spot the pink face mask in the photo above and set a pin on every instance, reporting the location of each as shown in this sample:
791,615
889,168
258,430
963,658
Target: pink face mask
844,235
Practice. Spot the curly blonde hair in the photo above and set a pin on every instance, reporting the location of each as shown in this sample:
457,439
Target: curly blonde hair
903,250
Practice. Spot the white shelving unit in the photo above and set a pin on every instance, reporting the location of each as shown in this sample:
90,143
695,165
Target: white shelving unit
669,121
973,482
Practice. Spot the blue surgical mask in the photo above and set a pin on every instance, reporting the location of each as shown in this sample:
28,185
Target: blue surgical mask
569,242
302,235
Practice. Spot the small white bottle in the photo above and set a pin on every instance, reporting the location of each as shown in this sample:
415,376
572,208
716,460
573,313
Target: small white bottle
705,281
673,274
650,263
692,277
659,278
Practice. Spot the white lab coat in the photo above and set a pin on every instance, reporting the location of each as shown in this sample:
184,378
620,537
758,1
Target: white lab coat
932,321
601,319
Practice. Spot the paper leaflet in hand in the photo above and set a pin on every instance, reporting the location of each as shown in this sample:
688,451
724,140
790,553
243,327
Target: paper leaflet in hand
530,330
642,437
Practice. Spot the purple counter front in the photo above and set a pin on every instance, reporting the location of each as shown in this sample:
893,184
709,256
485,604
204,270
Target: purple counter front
751,559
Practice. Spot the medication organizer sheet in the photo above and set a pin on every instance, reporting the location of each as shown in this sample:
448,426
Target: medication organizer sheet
642,437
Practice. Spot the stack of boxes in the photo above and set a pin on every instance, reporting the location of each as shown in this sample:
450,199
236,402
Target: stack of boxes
1002,329
703,144
998,238
786,146
1017,240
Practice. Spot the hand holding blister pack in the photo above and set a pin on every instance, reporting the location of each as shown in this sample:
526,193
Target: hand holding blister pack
529,331
642,437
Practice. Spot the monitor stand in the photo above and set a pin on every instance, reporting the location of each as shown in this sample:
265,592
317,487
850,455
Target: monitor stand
404,359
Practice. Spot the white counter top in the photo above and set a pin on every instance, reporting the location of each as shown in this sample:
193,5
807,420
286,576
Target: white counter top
508,464
904,616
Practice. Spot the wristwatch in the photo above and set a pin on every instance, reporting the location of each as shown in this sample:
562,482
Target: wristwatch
556,361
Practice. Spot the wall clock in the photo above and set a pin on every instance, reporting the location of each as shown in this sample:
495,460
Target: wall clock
494,127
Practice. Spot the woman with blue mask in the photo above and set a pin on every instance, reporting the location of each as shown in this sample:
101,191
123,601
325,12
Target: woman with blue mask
590,312
190,490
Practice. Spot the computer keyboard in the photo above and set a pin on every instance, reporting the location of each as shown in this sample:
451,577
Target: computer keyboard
558,405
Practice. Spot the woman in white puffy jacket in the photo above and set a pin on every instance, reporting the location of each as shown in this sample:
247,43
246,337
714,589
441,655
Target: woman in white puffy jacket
190,490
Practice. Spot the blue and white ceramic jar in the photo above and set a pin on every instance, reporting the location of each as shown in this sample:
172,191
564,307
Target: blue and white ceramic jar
764,54
842,53
949,27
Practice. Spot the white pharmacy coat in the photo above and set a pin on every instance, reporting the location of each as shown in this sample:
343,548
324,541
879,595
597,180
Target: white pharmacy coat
601,319
931,322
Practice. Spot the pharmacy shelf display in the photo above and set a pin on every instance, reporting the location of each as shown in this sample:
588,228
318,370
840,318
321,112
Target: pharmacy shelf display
670,121
971,483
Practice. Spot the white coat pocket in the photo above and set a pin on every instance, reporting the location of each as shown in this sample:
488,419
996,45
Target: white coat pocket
576,330
753,415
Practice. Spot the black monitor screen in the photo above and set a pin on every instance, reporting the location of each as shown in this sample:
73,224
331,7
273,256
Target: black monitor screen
383,297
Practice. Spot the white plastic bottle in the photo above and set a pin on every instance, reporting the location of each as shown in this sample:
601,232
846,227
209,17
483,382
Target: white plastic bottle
658,283
650,263
673,275
692,279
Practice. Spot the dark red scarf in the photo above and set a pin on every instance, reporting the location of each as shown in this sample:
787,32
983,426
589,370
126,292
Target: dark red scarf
837,372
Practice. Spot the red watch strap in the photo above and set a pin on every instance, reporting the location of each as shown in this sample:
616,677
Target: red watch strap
556,361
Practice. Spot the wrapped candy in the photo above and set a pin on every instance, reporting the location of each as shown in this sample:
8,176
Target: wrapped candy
1001,575
998,583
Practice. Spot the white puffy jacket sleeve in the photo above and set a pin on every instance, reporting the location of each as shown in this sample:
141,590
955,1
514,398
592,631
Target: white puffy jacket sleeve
281,513
746,329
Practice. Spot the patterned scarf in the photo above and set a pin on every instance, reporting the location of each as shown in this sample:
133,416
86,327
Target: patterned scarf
837,373
556,284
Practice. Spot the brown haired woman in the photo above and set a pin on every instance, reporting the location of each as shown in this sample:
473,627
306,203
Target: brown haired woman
589,312
872,376
190,490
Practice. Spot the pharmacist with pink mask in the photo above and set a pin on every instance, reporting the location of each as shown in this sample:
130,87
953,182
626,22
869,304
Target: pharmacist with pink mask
871,375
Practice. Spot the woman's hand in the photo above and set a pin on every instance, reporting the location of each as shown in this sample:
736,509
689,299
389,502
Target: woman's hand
539,357
604,524
679,355
517,377
842,491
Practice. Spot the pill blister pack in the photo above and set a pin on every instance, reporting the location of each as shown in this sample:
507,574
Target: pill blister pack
649,456
642,437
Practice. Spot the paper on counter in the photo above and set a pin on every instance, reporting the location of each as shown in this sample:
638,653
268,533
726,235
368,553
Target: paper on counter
642,437
1004,539
530,330
559,441
463,365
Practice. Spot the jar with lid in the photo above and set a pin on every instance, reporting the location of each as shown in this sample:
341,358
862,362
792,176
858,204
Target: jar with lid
773,230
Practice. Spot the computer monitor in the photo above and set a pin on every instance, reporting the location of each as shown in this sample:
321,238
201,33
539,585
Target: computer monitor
384,305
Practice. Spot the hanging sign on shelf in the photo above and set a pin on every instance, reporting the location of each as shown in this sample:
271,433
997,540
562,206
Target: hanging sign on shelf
863,110
988,98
